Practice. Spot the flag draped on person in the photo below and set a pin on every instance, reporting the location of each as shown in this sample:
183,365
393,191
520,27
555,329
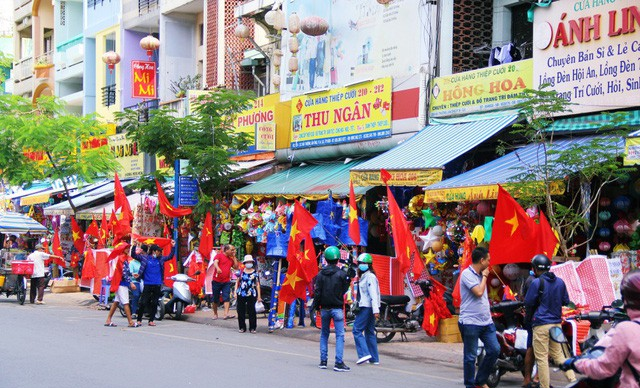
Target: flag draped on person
76,235
165,206
56,247
302,262
405,245
120,200
516,237
354,225
118,254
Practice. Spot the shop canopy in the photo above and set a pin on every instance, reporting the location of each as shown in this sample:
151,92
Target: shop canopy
595,122
310,181
85,197
56,187
96,211
482,182
19,223
419,160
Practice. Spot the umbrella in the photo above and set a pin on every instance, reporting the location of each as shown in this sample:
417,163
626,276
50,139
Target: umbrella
19,223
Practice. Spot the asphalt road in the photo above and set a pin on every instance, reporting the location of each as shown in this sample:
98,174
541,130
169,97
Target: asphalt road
68,346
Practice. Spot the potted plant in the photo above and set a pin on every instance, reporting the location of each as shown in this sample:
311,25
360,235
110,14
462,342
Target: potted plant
42,66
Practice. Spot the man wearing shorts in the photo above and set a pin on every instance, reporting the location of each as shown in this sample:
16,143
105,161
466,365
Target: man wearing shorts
122,297
221,280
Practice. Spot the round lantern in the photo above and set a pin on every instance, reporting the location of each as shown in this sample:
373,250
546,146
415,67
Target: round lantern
293,64
314,26
111,58
511,271
270,17
293,45
242,31
149,43
621,203
294,23
604,232
275,80
604,215
622,227
278,21
437,231
495,282
604,246
484,208
605,201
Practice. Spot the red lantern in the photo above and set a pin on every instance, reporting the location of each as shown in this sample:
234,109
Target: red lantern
149,43
484,208
111,58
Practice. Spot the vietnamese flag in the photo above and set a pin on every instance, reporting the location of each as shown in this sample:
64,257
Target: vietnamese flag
165,206
113,221
467,248
515,236
89,267
104,230
93,229
206,238
354,226
164,243
508,294
547,241
301,224
406,251
77,235
430,318
120,200
57,249
294,285
170,269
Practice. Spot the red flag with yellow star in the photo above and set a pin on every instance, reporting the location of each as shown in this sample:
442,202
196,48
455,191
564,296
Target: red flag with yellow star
206,238
77,235
89,266
405,245
301,224
165,206
354,225
120,200
104,230
547,241
164,243
431,318
294,285
515,234
57,249
93,229
113,221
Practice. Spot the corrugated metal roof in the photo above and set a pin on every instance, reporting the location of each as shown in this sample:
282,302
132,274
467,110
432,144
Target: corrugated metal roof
437,145
507,167
310,179
596,121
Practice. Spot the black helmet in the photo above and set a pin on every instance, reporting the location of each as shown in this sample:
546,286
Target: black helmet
541,262
630,290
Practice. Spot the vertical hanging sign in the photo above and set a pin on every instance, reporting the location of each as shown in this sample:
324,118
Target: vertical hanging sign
144,79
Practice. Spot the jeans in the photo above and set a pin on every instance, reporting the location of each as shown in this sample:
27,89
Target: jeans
470,336
135,298
364,334
338,321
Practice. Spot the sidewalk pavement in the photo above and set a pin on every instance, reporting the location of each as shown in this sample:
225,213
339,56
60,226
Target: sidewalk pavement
419,346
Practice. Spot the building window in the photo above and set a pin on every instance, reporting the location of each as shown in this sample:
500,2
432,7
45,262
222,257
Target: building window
109,95
522,30
201,33
63,13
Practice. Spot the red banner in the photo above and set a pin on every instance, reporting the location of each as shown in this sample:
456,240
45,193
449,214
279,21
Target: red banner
144,79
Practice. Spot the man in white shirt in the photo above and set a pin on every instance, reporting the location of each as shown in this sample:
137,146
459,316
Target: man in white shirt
37,278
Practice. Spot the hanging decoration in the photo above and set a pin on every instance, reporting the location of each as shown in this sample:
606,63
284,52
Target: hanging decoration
149,43
111,58
314,26
294,29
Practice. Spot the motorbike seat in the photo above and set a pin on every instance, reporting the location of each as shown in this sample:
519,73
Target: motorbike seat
394,299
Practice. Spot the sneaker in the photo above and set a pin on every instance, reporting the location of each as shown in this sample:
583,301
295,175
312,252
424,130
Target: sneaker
374,362
341,367
364,359
323,364
39,302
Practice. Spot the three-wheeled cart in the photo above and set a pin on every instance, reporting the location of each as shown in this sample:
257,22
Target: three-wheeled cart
13,278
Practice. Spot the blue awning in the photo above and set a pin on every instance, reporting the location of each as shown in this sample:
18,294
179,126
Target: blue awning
430,150
19,223
482,182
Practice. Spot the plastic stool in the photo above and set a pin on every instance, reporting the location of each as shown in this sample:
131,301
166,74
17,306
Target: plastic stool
105,291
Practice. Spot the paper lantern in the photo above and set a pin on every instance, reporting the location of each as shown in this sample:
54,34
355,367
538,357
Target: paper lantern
484,208
293,64
278,21
605,201
604,215
532,211
149,43
111,58
242,31
495,282
604,246
293,45
294,23
622,227
275,79
621,203
270,17
314,26
604,232
511,271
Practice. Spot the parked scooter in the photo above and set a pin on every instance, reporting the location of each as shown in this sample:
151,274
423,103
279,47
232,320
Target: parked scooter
396,315
179,296
598,321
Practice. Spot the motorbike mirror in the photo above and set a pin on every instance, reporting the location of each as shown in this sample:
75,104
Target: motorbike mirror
557,335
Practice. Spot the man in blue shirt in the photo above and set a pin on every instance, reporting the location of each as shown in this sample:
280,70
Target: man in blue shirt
475,320
152,273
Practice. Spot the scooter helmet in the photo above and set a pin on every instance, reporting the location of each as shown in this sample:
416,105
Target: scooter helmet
541,262
332,253
630,290
365,258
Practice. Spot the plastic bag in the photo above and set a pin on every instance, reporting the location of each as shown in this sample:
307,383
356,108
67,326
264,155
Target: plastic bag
260,307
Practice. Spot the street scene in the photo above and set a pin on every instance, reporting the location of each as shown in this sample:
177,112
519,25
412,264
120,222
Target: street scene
382,192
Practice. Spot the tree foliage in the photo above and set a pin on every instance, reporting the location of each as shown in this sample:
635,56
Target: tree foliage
583,168
206,138
47,130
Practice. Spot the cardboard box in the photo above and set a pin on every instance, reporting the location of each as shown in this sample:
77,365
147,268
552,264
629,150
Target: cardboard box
61,286
65,282
448,330
451,338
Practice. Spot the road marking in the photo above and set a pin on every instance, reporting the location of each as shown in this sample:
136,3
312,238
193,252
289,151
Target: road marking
400,371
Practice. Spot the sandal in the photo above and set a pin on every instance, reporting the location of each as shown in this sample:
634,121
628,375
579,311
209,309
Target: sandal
242,330
152,323
110,324
136,325
215,317
253,332
229,317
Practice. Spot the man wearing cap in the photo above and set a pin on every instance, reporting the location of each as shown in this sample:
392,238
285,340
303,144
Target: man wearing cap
37,278
331,285
221,280
152,273
248,293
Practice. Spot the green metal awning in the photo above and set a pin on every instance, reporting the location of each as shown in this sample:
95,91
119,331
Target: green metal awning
310,181
594,122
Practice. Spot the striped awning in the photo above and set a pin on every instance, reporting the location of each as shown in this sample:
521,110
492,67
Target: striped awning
481,183
597,121
419,161
11,222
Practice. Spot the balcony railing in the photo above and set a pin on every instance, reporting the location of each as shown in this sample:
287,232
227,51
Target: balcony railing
144,109
94,3
109,95
146,6
23,69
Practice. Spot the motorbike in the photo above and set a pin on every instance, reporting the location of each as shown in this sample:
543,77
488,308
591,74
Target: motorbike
597,325
396,315
508,317
179,295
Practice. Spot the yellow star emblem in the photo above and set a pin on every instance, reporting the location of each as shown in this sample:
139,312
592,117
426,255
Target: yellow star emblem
149,241
513,222
292,279
432,319
306,255
294,231
353,215
76,236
